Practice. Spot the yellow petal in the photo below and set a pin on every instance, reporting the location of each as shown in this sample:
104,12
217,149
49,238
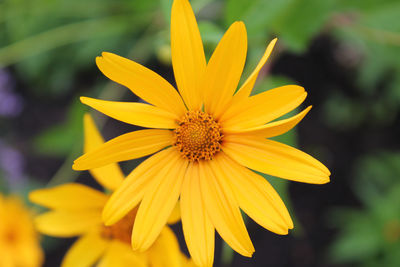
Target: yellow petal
256,196
68,223
248,85
131,191
158,202
125,147
85,251
109,176
197,227
223,210
276,159
175,215
224,69
143,82
263,108
165,251
273,128
121,254
72,196
134,113
188,58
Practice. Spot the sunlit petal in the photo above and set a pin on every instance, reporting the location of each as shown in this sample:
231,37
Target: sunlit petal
256,196
125,147
72,196
109,176
158,202
143,82
223,210
276,159
132,190
263,108
85,251
176,214
120,254
273,128
187,51
134,113
197,227
224,69
165,251
248,85
68,223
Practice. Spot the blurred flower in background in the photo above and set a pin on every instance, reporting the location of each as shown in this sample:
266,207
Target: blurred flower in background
76,211
19,241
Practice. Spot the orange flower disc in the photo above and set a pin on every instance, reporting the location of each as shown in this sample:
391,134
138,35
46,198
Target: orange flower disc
198,136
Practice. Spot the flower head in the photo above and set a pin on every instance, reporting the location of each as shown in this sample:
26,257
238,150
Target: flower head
19,242
76,211
207,139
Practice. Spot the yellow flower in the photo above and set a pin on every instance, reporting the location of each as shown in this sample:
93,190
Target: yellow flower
76,211
19,242
208,138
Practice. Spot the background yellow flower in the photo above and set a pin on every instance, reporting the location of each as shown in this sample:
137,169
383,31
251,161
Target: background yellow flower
76,211
19,241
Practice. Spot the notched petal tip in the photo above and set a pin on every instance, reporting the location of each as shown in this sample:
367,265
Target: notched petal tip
84,100
249,253
108,54
239,23
326,179
76,167
106,218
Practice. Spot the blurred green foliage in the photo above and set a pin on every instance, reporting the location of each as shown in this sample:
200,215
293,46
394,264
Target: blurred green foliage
369,36
370,235
51,42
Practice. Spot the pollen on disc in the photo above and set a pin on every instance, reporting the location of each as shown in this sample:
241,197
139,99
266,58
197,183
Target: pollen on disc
198,136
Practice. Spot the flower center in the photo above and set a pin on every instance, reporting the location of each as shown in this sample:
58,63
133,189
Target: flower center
122,230
11,237
198,136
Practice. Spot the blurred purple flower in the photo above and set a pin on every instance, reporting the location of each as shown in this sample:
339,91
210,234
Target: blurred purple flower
11,104
11,165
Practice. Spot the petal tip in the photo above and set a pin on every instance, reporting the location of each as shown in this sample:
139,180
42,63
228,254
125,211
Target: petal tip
136,246
32,196
324,180
75,167
106,54
106,220
239,25
84,99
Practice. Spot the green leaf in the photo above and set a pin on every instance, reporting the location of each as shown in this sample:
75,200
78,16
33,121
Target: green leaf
358,241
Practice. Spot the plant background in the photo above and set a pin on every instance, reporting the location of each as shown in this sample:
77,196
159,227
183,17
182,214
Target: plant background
346,53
